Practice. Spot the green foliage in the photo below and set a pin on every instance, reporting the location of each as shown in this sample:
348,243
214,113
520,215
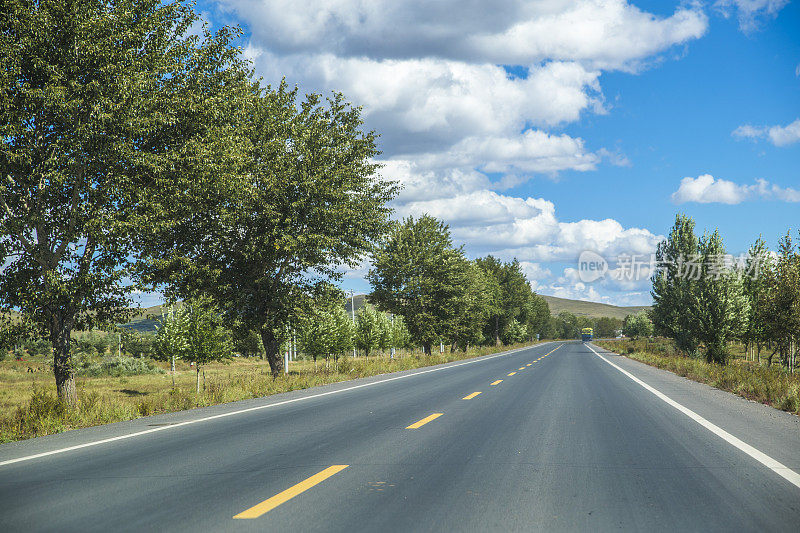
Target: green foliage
638,325
719,307
514,332
400,337
138,344
418,274
607,327
673,284
207,339
102,104
306,198
511,296
781,303
171,341
369,329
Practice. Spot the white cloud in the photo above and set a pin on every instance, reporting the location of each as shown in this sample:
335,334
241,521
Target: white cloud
608,33
706,189
751,13
528,229
455,127
778,135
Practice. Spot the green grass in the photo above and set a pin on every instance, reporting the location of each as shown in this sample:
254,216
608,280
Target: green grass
29,408
772,386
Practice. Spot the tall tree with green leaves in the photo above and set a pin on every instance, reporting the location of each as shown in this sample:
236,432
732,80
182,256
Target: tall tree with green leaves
756,290
400,336
261,241
674,279
720,308
510,296
638,325
473,306
783,302
368,329
171,341
208,340
537,315
418,274
100,100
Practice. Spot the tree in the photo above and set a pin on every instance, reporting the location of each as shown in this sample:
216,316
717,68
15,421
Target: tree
720,308
474,305
400,336
538,315
783,302
246,341
638,325
512,294
207,339
567,326
384,340
171,341
607,327
137,344
514,332
342,331
368,330
259,239
99,99
417,274
673,284
318,333
756,290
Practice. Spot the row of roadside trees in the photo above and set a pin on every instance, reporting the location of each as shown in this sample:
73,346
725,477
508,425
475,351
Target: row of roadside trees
137,155
704,299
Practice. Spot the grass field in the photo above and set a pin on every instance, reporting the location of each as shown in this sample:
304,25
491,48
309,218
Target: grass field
752,380
28,407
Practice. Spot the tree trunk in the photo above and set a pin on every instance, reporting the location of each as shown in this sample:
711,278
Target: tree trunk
272,347
426,349
497,330
197,380
60,329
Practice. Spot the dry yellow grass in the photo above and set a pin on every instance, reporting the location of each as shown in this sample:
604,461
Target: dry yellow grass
29,407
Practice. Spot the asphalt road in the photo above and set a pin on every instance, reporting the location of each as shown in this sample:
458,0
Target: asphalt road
568,442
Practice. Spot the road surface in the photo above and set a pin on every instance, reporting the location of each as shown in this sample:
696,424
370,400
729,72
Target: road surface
546,438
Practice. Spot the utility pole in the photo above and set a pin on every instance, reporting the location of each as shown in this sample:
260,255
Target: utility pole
392,353
119,344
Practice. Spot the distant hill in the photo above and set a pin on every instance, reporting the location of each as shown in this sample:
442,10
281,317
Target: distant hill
590,309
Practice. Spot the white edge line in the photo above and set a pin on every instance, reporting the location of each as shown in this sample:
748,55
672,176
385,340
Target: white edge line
257,408
784,471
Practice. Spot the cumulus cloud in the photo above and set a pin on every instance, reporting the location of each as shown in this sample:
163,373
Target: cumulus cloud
706,189
528,229
777,135
751,13
610,34
456,129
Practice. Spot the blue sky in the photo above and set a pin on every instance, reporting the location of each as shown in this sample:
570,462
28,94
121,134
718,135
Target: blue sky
538,130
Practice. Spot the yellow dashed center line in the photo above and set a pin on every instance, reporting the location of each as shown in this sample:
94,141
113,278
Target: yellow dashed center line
424,421
511,373
529,364
521,368
288,494
497,382
470,396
